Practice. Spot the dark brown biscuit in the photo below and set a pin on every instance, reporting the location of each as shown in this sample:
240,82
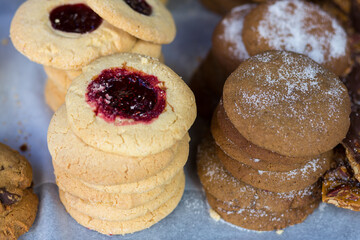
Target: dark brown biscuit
16,217
266,160
260,220
18,203
279,181
207,84
15,170
227,44
287,103
217,181
301,27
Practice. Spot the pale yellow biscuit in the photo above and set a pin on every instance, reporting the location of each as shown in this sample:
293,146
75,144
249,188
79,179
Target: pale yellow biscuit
32,35
62,78
158,27
130,226
144,185
110,213
127,136
147,48
118,200
54,97
94,166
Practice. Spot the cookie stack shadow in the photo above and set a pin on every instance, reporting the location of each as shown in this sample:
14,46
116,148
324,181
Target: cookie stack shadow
254,186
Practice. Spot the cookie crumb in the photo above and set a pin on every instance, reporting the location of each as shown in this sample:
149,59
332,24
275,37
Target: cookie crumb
4,41
24,147
214,215
279,232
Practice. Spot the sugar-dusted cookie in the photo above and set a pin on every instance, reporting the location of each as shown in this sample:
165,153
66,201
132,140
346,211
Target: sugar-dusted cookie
295,179
94,166
218,182
148,20
108,212
260,220
65,34
287,103
130,104
227,44
297,26
130,226
18,203
236,146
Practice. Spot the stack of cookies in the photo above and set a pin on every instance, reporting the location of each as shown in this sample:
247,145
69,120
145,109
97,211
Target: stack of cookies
280,116
250,29
66,35
120,142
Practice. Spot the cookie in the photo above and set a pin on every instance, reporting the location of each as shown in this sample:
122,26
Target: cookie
236,146
39,32
110,213
118,200
147,48
147,20
143,185
123,227
16,172
223,6
287,103
227,43
61,78
54,97
94,166
218,182
261,220
18,203
16,217
300,27
110,111
295,179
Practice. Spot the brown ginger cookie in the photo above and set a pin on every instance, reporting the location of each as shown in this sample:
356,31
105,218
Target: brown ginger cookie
18,203
235,145
300,27
287,103
261,220
227,43
218,182
295,179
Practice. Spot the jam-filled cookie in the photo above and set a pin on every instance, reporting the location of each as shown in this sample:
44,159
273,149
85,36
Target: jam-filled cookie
65,34
148,20
18,203
94,166
54,96
130,104
287,103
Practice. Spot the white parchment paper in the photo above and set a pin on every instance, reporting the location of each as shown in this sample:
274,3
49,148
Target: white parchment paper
24,118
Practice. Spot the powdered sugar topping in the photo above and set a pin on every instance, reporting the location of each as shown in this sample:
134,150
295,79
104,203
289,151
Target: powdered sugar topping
233,27
291,25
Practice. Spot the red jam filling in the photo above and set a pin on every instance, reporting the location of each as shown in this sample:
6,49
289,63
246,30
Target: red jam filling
74,18
140,6
126,93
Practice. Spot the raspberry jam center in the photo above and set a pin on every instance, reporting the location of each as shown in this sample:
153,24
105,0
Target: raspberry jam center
126,93
140,6
74,18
